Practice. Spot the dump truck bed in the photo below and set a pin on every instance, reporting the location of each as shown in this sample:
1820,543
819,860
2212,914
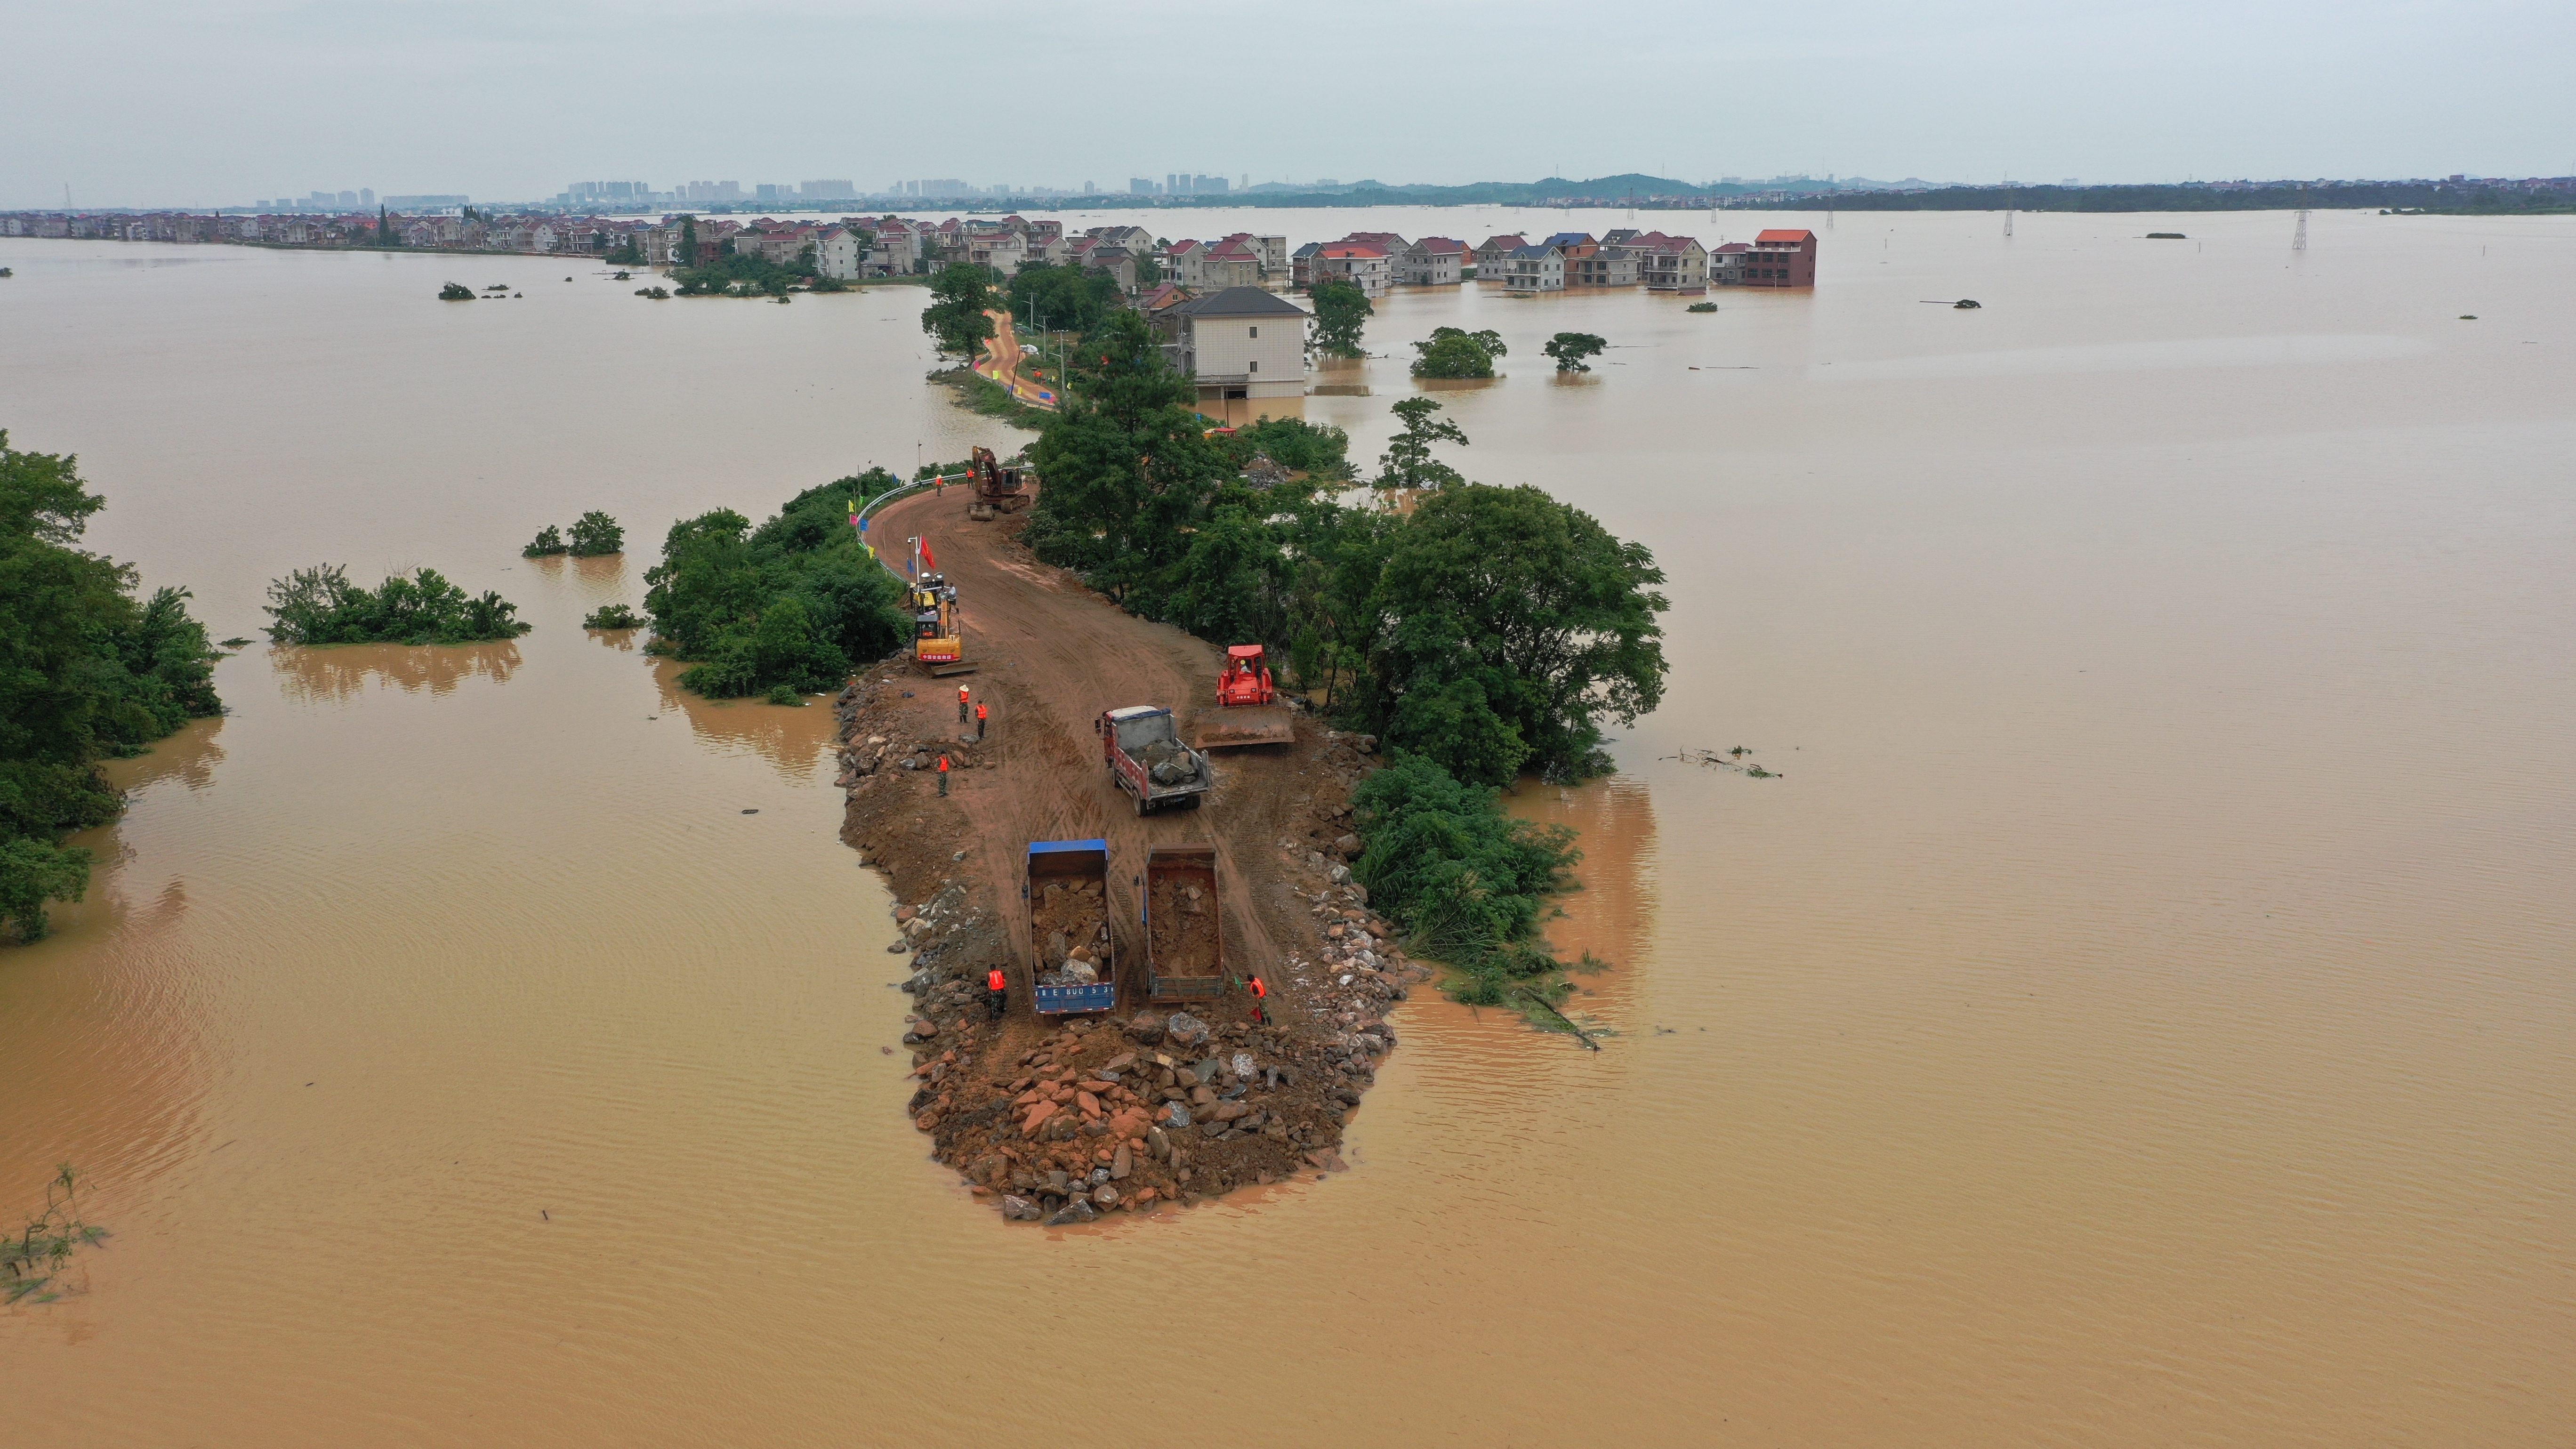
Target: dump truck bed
1066,888
1184,937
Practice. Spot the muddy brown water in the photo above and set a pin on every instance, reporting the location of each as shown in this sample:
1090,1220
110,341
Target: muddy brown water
2139,1012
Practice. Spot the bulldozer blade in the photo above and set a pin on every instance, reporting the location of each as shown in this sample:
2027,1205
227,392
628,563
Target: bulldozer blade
1243,725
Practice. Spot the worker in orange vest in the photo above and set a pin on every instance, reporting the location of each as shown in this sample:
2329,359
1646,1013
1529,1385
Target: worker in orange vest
997,992
1259,993
943,777
979,720
961,704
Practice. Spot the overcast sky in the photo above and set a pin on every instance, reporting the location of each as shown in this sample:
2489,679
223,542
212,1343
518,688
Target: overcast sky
212,102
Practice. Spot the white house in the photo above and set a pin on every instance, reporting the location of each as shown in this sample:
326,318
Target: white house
1242,343
1434,261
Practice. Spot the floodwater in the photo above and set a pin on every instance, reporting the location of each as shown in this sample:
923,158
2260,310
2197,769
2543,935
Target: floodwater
2137,1013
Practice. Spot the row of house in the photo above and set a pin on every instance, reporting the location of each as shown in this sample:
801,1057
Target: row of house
1375,261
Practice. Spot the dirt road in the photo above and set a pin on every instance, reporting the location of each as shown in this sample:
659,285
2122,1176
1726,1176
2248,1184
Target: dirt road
1051,656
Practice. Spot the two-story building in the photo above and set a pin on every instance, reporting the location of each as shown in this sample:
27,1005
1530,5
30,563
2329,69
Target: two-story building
1488,258
1536,267
1670,263
1434,261
1364,266
1241,344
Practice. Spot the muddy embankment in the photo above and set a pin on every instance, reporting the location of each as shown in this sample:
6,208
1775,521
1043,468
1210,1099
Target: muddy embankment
1063,1120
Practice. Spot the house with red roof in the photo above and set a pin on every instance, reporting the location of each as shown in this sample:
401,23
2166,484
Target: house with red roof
1670,263
1365,266
1434,261
1780,258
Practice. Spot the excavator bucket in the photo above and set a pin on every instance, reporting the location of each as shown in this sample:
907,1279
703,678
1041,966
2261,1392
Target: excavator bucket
1243,725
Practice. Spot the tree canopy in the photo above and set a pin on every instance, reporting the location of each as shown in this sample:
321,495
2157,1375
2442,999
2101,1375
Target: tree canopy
1341,309
793,602
1407,462
955,317
87,672
320,606
1571,348
1451,352
1061,297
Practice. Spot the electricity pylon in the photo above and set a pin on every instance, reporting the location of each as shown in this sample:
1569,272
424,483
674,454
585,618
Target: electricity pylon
2299,238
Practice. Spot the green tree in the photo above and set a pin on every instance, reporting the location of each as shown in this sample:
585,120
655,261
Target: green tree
86,672
319,606
789,604
955,317
385,236
1571,348
1515,624
1451,352
549,541
595,534
456,292
1061,297
1341,309
1407,462
1126,467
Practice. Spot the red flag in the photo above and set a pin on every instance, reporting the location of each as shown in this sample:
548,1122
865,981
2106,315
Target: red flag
926,560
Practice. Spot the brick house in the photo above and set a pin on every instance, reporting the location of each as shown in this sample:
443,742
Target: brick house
1781,258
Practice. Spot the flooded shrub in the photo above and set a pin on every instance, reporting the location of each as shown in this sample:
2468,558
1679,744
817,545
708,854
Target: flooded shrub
93,673
791,603
320,606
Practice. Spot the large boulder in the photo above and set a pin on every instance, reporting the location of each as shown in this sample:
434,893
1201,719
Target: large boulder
1184,1029
1019,1209
1079,1210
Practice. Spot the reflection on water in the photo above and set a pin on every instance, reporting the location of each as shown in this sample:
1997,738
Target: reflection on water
1608,926
188,757
624,641
795,739
341,672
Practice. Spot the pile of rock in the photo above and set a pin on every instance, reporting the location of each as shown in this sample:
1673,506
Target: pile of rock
1170,762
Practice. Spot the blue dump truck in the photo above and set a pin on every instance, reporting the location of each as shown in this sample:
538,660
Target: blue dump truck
1072,955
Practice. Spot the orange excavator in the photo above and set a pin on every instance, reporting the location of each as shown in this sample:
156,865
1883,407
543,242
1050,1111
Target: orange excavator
1248,711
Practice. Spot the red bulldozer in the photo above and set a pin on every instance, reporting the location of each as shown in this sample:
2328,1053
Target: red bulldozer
1248,711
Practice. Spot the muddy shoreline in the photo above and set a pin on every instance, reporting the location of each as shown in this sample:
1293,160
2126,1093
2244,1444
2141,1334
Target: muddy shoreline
1150,1105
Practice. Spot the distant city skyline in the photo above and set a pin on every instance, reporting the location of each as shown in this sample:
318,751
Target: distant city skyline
220,102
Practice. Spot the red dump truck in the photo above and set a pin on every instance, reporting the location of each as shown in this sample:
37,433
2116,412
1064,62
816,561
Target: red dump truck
1147,759
1184,937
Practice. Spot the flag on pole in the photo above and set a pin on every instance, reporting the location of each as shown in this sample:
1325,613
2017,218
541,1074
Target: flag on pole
925,554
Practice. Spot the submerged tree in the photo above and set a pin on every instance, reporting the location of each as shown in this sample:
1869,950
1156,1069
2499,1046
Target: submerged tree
1341,309
595,534
1453,353
90,673
1571,348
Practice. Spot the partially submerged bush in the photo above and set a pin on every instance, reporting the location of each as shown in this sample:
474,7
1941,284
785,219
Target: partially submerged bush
549,541
1469,882
595,534
612,616
320,606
